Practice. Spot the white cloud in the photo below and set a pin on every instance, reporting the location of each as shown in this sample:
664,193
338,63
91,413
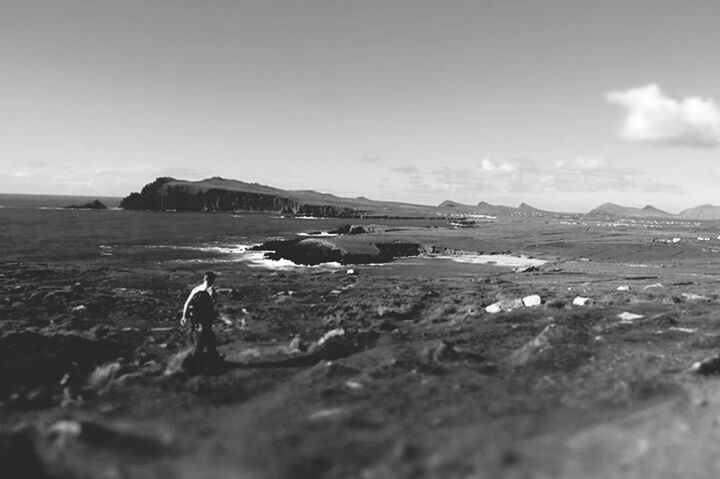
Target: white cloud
21,174
487,164
411,170
368,158
655,118
589,163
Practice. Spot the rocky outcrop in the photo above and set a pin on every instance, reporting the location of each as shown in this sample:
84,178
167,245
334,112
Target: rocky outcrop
170,194
93,205
314,251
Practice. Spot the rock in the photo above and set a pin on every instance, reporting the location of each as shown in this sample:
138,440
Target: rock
532,300
694,297
329,335
176,363
708,366
351,272
295,345
626,317
445,351
653,286
581,301
557,347
64,431
338,343
326,413
537,346
504,305
104,375
95,434
93,205
623,287
310,252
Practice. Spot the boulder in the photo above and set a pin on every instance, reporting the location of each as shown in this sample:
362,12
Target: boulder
505,305
532,300
338,343
104,375
708,366
626,317
176,363
581,301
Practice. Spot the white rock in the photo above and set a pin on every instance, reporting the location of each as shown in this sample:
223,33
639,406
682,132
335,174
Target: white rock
104,375
64,431
629,317
694,297
683,330
326,413
623,287
532,300
581,301
351,271
653,286
504,305
330,334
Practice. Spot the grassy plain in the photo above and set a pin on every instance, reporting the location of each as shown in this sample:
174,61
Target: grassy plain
425,383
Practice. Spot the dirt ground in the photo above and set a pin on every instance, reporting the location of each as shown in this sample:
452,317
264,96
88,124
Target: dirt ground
416,378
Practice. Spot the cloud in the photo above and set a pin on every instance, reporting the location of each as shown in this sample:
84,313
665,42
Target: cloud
410,170
589,163
487,164
653,117
522,177
21,174
367,158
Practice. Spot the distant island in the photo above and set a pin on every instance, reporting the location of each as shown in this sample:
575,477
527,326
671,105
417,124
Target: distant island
218,194
93,205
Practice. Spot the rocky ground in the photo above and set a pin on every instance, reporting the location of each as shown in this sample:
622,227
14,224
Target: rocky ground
421,367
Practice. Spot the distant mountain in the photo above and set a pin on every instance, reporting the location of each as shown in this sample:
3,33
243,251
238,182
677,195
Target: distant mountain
613,209
220,194
702,212
455,205
527,210
484,208
498,210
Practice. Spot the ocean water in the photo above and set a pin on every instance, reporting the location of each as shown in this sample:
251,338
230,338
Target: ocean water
8,200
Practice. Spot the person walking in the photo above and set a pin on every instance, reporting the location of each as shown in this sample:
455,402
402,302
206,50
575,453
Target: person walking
199,309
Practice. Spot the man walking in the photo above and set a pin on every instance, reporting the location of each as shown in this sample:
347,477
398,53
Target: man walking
200,310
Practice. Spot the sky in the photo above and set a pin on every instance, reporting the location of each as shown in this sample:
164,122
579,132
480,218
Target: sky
562,104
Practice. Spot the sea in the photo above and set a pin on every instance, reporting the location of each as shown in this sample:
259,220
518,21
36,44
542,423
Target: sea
39,227
12,200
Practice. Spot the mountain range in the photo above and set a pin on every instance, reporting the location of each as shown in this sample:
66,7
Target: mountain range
221,194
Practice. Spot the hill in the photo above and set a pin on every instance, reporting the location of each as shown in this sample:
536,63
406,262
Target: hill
497,210
612,209
702,212
220,194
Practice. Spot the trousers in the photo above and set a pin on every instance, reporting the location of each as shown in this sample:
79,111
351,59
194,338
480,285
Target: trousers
203,339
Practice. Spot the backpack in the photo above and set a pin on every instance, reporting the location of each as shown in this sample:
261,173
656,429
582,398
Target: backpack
201,307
